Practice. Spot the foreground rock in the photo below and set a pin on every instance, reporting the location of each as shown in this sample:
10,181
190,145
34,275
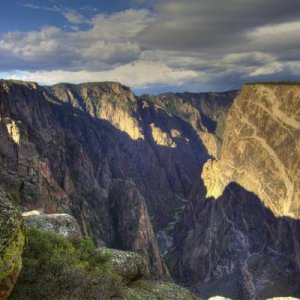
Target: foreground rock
75,269
129,265
12,237
63,224
155,290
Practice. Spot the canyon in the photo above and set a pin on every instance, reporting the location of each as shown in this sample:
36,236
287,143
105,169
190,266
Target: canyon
204,186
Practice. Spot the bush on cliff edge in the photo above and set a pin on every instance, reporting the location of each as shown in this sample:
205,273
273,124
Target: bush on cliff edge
55,268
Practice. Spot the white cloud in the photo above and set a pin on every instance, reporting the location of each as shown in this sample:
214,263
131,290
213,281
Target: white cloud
73,16
108,43
139,74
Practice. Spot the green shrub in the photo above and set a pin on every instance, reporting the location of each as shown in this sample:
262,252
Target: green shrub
55,268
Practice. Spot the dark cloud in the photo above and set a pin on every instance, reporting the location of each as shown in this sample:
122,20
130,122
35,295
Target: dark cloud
227,25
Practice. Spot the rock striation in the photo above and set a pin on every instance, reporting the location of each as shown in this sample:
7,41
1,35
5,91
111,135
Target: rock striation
263,124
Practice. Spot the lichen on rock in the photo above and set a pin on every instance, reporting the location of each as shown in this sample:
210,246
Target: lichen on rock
156,290
126,264
12,238
63,224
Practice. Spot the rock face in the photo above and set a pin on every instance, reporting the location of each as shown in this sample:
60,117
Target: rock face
127,206
242,251
261,148
57,223
205,112
245,243
12,238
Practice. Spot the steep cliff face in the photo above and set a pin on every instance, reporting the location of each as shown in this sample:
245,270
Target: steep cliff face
245,242
73,148
205,112
237,248
261,148
135,139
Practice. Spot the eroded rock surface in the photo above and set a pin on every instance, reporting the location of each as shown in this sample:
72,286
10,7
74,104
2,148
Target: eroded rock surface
242,251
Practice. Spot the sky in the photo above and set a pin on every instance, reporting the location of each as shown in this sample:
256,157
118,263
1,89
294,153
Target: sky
152,46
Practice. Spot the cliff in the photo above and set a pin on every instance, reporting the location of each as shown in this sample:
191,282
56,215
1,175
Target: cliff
205,112
96,151
261,148
240,236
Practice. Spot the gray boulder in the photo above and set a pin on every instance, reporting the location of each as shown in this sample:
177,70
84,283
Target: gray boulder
63,224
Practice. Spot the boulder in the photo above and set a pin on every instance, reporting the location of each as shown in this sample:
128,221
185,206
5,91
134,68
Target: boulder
129,265
155,290
57,223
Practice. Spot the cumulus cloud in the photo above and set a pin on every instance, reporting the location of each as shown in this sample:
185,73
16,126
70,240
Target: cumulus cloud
108,43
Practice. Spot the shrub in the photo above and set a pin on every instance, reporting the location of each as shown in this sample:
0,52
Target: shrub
55,268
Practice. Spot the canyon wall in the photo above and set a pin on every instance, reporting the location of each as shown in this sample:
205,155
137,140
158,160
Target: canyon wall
123,166
240,236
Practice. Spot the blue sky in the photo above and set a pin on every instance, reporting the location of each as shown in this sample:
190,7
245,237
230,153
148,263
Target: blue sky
152,46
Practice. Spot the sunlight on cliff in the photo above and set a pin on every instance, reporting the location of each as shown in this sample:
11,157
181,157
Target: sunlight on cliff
213,179
163,138
13,131
121,119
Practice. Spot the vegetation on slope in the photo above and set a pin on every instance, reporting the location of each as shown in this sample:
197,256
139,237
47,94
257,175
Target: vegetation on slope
55,268
12,236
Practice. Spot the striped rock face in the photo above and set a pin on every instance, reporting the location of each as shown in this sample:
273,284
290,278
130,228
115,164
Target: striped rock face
261,148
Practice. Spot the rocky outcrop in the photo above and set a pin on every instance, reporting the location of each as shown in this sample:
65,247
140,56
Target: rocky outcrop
12,238
59,268
133,226
57,223
129,265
